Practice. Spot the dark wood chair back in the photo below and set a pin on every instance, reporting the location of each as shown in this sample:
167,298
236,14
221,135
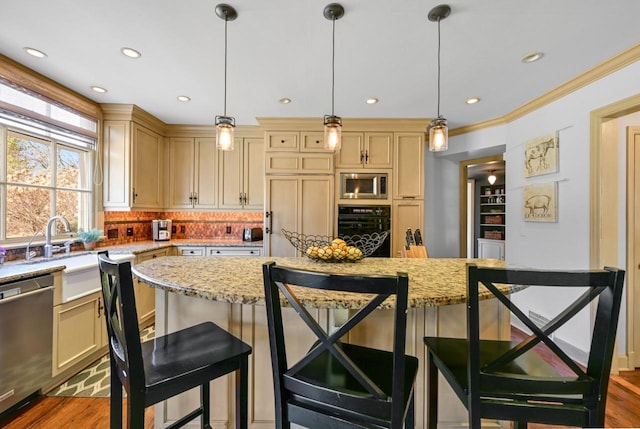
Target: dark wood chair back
509,380
337,384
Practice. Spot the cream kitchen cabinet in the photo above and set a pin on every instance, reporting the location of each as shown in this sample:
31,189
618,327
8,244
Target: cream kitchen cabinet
408,166
79,331
234,251
405,214
241,175
302,204
133,167
192,173
372,150
145,295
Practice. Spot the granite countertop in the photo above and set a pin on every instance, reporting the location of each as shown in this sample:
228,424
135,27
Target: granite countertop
18,270
432,282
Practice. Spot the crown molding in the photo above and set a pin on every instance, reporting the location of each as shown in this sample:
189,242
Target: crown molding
209,131
131,112
348,124
33,81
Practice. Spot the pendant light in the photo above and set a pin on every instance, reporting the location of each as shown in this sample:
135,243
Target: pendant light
492,177
332,123
225,124
437,129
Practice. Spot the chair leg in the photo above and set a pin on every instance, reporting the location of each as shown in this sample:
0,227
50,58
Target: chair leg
432,394
135,412
115,402
410,419
204,403
242,394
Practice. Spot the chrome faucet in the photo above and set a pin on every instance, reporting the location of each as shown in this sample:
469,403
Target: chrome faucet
49,249
28,255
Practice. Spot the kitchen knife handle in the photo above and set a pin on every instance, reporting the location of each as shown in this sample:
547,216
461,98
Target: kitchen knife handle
409,238
418,237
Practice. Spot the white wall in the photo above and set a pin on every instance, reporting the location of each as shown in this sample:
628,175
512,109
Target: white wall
561,245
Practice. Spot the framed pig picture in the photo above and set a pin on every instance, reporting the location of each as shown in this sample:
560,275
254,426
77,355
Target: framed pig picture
540,202
541,156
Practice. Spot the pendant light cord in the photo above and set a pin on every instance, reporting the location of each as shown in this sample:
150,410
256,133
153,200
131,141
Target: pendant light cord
438,67
225,66
333,64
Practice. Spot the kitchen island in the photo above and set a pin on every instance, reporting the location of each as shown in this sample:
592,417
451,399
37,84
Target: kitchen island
229,292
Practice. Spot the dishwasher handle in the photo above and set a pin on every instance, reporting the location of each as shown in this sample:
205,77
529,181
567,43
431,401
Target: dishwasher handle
24,295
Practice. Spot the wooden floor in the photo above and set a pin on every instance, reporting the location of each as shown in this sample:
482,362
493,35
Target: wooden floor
46,412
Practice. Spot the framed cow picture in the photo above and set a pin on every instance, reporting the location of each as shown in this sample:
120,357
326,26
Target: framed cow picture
540,202
541,156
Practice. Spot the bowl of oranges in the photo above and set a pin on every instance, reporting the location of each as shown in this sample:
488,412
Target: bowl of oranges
328,249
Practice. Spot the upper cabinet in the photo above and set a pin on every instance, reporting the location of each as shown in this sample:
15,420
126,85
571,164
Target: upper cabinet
365,150
133,161
241,175
192,178
408,166
293,152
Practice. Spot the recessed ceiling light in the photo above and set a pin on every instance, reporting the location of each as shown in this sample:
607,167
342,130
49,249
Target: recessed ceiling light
472,100
372,100
99,89
284,100
35,53
183,98
534,56
130,52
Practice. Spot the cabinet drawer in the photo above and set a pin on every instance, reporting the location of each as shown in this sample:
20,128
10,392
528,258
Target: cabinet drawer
312,142
191,251
234,251
282,163
282,141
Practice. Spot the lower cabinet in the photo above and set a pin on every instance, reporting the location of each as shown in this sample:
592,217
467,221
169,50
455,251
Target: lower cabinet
79,331
405,214
145,295
219,251
490,249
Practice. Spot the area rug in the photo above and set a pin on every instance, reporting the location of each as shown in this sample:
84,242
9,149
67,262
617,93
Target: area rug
93,382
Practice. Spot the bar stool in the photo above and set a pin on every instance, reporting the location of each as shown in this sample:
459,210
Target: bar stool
155,370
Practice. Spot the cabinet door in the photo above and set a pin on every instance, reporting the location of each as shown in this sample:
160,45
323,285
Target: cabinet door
147,168
79,330
145,295
230,177
205,174
493,249
253,183
408,166
286,141
312,142
378,150
181,172
351,153
282,207
117,164
405,214
316,205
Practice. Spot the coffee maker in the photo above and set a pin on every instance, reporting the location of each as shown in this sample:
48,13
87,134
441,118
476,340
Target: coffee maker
161,229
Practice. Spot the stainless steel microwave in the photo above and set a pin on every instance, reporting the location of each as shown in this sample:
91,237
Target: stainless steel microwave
363,185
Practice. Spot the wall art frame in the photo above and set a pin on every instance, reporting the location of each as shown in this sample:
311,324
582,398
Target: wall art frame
541,155
540,202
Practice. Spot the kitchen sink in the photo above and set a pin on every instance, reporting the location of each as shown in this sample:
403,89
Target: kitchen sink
81,276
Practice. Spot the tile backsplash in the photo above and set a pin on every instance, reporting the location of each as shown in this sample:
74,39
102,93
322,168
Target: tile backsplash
185,225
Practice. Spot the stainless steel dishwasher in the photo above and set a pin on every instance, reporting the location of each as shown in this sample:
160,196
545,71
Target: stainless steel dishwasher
26,329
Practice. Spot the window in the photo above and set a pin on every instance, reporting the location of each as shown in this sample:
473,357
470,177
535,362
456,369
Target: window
45,165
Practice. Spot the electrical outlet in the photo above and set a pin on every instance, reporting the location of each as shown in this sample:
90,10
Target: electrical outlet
130,231
183,229
173,229
228,230
112,233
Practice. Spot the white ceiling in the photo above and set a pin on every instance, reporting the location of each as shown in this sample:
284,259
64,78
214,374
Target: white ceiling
282,48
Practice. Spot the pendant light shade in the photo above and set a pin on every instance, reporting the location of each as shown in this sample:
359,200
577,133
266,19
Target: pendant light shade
492,177
437,129
332,123
225,125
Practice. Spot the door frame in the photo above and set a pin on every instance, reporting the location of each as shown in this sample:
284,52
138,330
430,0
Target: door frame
463,177
603,248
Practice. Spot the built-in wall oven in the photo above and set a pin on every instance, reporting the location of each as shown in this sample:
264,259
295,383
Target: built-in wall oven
359,220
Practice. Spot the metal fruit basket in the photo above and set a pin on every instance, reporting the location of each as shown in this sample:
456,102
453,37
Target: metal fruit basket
310,245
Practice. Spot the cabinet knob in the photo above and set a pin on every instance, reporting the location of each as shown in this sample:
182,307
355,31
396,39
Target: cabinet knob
282,141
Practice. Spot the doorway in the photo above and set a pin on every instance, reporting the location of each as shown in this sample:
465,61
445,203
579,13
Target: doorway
478,170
